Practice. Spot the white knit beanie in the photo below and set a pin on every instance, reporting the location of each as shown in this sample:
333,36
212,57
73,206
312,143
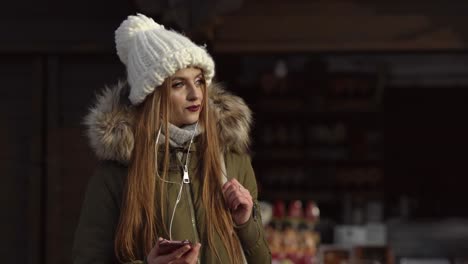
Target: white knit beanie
152,53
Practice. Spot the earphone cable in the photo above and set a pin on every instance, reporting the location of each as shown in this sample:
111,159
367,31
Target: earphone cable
185,178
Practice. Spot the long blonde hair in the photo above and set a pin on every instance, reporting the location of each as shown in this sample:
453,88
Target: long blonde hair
136,231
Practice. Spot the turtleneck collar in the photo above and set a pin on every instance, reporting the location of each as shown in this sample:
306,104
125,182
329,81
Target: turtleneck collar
180,135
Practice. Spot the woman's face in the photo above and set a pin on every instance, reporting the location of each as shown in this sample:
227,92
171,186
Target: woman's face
186,96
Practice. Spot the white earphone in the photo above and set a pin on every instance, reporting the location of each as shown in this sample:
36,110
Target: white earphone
185,178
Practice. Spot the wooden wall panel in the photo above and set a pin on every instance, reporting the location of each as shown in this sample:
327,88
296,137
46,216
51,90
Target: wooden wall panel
20,221
74,80
294,26
426,146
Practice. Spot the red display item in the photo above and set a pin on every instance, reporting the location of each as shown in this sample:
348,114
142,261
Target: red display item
279,210
295,209
312,212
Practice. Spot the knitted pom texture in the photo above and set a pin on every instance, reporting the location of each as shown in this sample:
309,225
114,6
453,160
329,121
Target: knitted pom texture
127,31
151,54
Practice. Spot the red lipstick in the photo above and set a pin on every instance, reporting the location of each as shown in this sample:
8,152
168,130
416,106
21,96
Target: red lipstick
193,108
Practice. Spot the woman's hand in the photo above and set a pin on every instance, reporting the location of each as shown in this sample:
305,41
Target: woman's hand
184,255
238,200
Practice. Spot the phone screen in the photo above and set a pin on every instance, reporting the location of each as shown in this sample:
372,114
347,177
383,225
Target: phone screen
168,246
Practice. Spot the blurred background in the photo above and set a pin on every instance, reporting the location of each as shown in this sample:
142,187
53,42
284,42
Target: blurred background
342,179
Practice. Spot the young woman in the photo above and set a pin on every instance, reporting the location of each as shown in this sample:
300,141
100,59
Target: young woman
174,160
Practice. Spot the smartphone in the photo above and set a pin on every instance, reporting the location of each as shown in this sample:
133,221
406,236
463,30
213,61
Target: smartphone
168,246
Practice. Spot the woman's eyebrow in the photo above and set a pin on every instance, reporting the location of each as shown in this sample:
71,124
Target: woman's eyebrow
186,78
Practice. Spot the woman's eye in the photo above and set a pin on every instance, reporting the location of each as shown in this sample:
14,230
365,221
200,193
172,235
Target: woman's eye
199,82
177,84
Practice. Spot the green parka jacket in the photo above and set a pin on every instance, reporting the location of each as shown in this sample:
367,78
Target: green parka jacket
109,130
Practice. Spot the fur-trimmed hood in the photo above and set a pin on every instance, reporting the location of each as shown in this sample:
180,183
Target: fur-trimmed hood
110,122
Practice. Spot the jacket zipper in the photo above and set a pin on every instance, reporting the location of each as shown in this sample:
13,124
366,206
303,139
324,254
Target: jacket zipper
188,195
192,215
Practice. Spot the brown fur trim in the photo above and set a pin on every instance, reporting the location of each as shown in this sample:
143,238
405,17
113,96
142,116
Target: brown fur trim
234,119
110,122
110,125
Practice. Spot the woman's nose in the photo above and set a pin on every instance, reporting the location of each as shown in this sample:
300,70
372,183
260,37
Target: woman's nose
194,92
